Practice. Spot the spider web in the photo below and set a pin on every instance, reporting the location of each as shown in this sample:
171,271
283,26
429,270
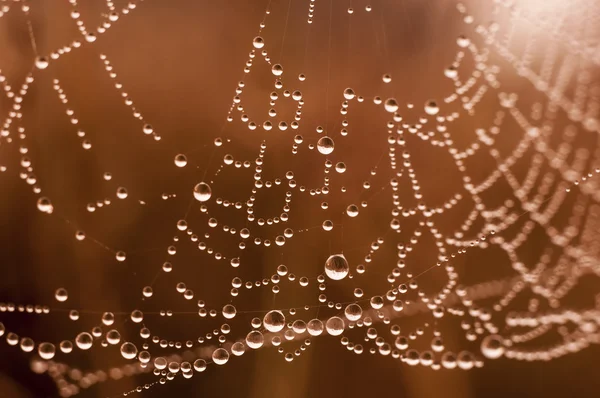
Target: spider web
526,192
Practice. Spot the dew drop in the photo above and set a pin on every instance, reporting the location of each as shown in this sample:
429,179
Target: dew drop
160,363
108,318
61,295
325,145
349,94
229,311
66,346
258,42
220,356
238,348
137,316
352,210
391,105
129,350
315,327
44,205
353,312
431,108
202,192
340,167
113,337
335,326
277,70
46,350
121,256
199,365
180,160
274,321
147,129
122,193
41,62
336,267
27,344
255,339
492,347
84,341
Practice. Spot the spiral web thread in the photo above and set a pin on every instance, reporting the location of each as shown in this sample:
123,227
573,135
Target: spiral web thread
557,145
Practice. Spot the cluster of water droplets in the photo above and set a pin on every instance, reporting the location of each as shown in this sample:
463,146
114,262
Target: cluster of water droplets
367,323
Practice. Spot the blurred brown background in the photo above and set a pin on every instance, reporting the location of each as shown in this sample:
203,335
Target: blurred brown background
180,60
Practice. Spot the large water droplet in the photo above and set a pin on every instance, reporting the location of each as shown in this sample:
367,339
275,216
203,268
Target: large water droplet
335,326
202,192
492,347
258,42
325,145
255,339
84,341
336,267
220,356
46,350
274,321
391,105
129,350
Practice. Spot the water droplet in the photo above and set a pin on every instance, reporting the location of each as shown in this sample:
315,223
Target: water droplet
148,129
463,41
315,327
325,145
129,350
41,62
66,346
113,337
44,205
335,326
255,339
84,341
340,167
353,312
180,160
160,363
274,321
336,267
220,356
349,94
61,295
451,72
46,350
229,311
108,318
137,316
277,70
492,346
391,105
122,193
238,348
202,192
90,37
200,365
431,108
27,344
121,256
258,42
352,210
